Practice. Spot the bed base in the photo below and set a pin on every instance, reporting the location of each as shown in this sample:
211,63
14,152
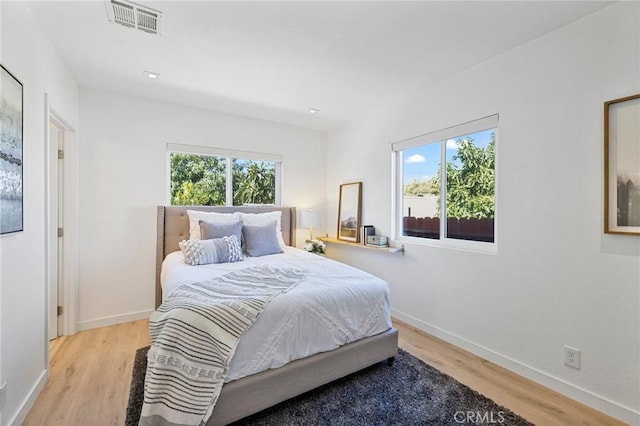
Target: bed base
254,393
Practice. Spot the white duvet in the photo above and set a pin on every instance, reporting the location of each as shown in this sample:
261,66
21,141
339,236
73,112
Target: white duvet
335,304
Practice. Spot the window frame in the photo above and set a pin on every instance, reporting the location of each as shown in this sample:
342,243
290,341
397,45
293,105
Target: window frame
397,172
229,155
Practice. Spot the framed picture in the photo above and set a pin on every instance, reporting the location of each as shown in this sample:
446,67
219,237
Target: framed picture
349,211
11,215
622,166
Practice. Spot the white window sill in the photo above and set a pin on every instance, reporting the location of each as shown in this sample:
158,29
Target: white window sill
452,244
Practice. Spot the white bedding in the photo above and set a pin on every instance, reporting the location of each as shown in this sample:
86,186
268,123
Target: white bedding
336,304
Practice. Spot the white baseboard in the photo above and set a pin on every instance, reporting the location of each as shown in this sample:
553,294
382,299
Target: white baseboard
113,320
28,402
611,408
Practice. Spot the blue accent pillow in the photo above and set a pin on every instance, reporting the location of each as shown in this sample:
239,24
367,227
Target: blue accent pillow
217,250
261,240
210,230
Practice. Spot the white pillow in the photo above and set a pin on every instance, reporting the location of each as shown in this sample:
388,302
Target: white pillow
254,219
195,216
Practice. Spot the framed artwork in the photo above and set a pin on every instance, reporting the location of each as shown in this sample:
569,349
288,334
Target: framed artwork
622,166
11,104
349,211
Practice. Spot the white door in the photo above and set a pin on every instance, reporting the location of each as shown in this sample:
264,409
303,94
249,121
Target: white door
56,206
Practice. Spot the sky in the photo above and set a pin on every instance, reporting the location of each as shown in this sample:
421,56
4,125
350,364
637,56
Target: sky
422,162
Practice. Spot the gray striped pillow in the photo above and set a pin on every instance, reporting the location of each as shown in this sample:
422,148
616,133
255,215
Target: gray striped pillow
217,250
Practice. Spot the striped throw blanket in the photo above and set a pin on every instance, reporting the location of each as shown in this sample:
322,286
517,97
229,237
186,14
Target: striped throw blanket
194,334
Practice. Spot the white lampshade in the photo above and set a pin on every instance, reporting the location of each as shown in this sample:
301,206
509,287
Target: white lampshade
309,218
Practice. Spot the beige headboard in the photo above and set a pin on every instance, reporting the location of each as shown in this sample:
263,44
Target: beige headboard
173,227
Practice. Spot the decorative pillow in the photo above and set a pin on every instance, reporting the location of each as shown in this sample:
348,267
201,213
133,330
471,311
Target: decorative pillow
217,250
261,240
263,218
195,216
210,230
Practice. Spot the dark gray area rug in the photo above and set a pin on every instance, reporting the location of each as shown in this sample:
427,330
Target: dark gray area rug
408,393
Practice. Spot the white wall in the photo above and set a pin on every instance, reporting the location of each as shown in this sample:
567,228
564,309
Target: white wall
28,54
556,278
123,178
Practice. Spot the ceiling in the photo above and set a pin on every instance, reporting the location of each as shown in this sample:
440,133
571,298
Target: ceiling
276,60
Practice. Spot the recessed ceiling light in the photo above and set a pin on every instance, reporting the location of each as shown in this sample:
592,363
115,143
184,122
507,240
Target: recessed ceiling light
151,74
313,110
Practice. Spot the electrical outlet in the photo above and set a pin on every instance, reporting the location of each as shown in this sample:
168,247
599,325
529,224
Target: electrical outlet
3,394
572,357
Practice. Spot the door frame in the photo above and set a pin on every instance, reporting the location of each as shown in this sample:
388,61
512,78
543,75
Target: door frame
68,300
55,269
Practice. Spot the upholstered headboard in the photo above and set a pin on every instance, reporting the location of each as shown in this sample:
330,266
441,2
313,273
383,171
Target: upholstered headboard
173,227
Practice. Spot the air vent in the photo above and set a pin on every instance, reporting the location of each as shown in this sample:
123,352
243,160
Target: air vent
133,15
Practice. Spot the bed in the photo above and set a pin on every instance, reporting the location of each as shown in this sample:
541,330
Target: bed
260,385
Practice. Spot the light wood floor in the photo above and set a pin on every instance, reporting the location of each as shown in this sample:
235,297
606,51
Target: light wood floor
90,376
91,372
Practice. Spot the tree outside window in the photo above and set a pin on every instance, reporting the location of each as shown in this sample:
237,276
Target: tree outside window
469,188
197,179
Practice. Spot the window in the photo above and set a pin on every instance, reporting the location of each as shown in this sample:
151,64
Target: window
463,191
216,177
